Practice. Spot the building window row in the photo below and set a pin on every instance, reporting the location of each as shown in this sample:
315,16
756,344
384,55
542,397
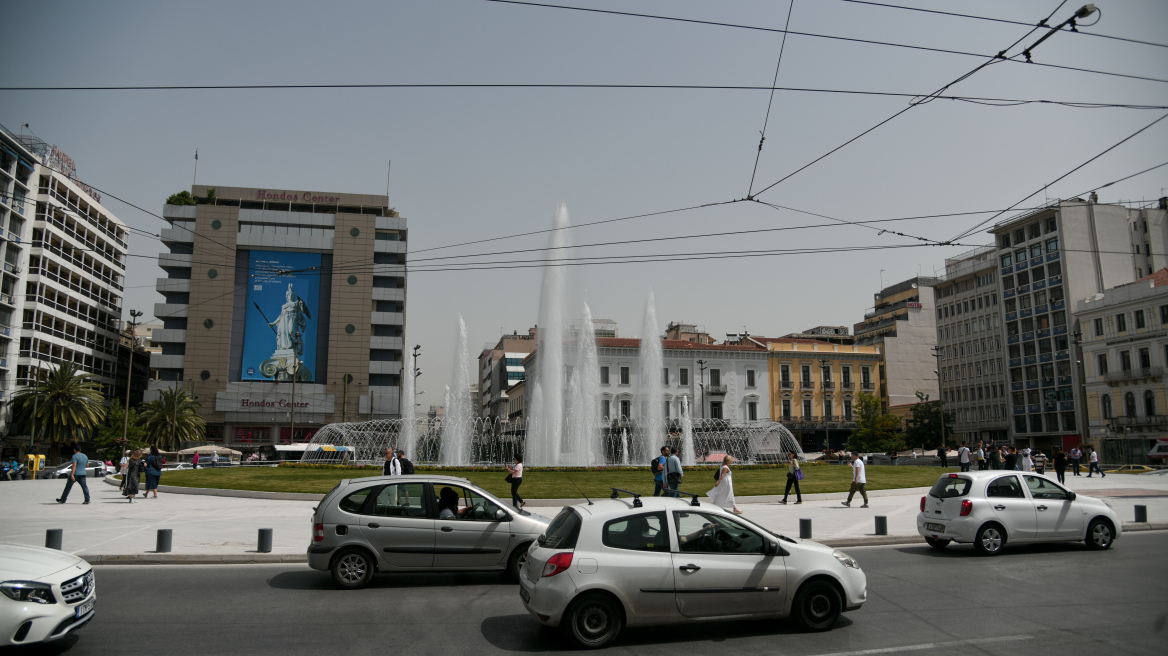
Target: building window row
56,189
1033,231
42,322
62,221
76,259
62,302
48,353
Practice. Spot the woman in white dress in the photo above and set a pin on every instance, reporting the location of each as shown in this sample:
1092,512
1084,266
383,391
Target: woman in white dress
1027,464
723,492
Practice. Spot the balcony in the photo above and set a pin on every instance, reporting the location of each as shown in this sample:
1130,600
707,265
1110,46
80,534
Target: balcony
787,384
867,387
1023,289
807,385
1060,330
1051,257
716,390
1054,280
1028,312
1150,420
1021,265
1041,309
1011,316
1114,378
847,386
827,385
1039,284
1007,270
168,310
1008,293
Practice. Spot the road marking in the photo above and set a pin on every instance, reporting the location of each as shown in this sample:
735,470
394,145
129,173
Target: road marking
930,645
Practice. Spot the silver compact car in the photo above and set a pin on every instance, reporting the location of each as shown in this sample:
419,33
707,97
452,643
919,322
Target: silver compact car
657,560
46,594
991,508
416,523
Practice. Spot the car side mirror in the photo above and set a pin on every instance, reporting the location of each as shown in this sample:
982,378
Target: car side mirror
1071,495
772,548
500,514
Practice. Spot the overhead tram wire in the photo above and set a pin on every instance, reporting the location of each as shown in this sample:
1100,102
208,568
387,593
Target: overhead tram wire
1002,20
770,102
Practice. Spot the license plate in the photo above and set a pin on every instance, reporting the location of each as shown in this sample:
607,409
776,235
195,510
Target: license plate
84,608
940,528
524,595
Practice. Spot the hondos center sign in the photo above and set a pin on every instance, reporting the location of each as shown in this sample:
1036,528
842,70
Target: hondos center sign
274,403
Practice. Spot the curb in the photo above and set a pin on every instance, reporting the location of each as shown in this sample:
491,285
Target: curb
239,494
193,559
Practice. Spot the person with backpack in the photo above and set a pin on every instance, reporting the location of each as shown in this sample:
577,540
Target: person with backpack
392,466
407,466
963,457
673,473
1039,459
657,466
794,475
153,472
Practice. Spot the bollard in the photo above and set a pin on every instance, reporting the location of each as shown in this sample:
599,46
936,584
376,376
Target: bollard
265,545
881,525
1141,514
805,529
162,544
53,538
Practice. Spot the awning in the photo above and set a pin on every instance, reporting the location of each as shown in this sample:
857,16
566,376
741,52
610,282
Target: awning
329,447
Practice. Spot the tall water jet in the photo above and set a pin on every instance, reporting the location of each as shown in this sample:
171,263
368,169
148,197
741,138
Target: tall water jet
624,447
584,420
407,439
687,445
650,395
549,414
456,428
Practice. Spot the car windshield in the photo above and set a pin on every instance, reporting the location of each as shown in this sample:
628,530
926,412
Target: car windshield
949,487
562,532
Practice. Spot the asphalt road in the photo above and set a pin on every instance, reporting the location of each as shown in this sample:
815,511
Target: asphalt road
1050,599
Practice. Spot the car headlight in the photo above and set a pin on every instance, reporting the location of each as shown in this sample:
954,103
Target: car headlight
845,560
40,593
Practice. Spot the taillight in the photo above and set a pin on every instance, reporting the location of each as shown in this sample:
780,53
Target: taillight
966,507
317,532
952,475
922,504
557,563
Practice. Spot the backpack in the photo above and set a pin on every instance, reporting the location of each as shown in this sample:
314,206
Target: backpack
655,465
407,467
717,473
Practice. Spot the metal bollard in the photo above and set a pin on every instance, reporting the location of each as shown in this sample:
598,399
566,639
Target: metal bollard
805,529
162,544
881,525
53,538
1141,514
265,545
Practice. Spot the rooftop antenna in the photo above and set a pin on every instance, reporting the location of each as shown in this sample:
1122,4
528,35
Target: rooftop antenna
388,170
196,177
578,488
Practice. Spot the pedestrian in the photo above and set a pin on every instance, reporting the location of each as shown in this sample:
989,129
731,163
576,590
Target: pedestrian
673,473
1039,459
392,466
995,458
893,455
76,474
657,466
981,460
1027,462
407,465
1060,465
914,454
943,454
1076,454
794,475
859,481
122,467
130,479
515,477
722,494
1093,463
214,459
195,460
153,471
962,457
1011,463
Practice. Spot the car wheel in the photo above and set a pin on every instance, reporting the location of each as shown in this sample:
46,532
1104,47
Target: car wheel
517,562
817,606
352,569
937,543
990,540
593,621
1099,535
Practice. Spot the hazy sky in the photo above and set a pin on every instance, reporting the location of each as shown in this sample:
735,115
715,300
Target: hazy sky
471,164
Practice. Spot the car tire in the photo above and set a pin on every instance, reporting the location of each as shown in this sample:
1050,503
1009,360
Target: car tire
593,621
817,606
990,540
352,569
517,562
1099,535
938,543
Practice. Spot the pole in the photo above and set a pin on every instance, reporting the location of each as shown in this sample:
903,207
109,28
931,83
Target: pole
134,314
292,415
937,350
344,397
36,382
702,384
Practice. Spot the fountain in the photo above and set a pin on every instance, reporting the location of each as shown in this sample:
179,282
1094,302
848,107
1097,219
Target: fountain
408,439
687,444
624,447
583,427
650,395
548,415
455,448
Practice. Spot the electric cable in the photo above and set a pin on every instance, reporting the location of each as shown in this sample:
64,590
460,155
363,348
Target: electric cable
767,118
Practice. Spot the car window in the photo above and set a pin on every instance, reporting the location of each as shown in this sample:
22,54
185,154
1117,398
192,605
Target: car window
401,500
710,533
353,502
950,486
637,533
562,532
455,501
1007,487
1041,488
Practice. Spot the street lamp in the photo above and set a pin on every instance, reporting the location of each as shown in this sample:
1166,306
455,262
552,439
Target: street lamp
134,314
702,384
937,352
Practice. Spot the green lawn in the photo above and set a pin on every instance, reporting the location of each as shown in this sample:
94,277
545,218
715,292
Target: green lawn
562,485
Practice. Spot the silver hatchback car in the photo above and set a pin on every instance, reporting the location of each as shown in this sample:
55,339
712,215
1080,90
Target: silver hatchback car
417,523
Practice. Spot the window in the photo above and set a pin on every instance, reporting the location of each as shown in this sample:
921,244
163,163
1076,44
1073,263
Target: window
402,500
1036,251
1139,319
1052,245
786,409
785,373
1005,241
702,533
563,532
626,408
354,502
1035,231
948,488
683,377
806,373
847,410
665,413
624,375
1125,360
1102,364
752,410
1099,327
750,377
1006,487
606,409
637,533
470,505
1007,260
1042,488
665,377
1164,314
1121,322
846,374
865,377
604,375
1145,359
1149,403
1019,235
1051,224
1129,404
827,408
715,377
715,409
806,408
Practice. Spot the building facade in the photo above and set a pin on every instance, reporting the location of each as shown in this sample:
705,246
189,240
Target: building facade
970,355
904,325
284,310
1125,354
500,368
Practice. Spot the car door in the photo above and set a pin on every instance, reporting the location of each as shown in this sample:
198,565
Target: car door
635,551
1058,516
397,523
1012,507
720,568
477,537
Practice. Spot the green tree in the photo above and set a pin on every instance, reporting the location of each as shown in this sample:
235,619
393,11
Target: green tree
172,419
923,427
66,401
109,437
876,431
183,197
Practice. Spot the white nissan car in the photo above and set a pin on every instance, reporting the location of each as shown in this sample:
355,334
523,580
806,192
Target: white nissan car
991,508
47,594
639,561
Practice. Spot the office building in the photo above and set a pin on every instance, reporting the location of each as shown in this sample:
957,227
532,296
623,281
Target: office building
284,310
501,367
903,324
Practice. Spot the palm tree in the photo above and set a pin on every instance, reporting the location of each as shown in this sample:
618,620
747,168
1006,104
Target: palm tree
172,418
66,402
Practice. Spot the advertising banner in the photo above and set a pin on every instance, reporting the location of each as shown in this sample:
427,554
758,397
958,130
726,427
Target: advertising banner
280,329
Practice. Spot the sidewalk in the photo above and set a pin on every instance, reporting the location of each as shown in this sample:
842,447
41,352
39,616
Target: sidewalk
222,529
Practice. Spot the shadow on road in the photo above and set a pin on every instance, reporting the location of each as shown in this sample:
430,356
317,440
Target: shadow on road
53,648
315,580
967,550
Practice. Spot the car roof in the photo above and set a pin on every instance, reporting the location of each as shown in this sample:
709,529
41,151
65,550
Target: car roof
432,478
606,508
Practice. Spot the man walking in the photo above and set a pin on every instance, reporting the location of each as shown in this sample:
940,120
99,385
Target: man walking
76,475
1094,464
392,466
1076,454
673,472
859,481
407,465
943,454
963,457
658,467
